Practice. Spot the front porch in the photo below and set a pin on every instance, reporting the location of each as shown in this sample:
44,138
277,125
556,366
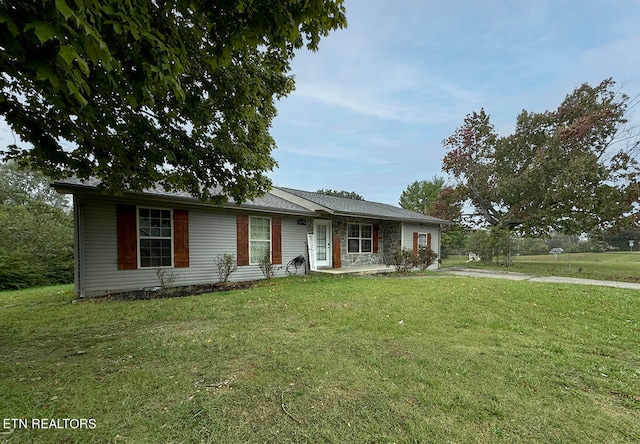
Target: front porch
358,269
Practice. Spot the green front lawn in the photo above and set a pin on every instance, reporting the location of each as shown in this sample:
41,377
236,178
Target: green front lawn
618,266
328,359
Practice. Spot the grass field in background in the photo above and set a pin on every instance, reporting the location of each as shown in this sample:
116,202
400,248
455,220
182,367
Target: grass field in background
328,359
619,266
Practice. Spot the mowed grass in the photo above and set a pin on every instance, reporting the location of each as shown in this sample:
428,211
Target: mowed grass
619,266
328,359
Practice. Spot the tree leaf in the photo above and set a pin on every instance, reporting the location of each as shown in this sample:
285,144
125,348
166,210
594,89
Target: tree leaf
43,30
46,73
73,88
68,55
64,9
6,18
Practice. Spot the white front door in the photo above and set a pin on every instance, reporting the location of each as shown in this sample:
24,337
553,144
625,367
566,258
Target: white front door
322,237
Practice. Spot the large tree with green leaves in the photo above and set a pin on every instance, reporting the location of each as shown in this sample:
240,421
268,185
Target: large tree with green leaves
137,93
571,170
421,195
448,206
36,231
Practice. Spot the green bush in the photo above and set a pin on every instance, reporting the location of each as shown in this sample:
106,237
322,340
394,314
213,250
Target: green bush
426,257
406,260
225,265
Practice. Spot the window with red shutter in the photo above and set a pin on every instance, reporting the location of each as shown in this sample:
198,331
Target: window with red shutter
127,237
276,240
155,237
242,234
145,237
181,238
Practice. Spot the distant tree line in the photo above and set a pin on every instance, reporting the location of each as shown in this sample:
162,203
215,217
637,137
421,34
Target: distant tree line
36,231
342,193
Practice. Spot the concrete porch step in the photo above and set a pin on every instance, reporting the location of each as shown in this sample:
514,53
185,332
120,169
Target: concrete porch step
358,269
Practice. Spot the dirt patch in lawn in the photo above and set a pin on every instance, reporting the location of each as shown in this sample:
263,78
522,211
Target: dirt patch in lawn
173,292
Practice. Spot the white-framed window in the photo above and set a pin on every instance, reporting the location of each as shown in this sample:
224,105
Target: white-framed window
422,240
359,238
155,237
259,238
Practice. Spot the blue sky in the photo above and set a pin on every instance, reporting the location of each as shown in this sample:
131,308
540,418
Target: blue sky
373,105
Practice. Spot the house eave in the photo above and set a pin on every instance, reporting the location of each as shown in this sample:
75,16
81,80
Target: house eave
64,188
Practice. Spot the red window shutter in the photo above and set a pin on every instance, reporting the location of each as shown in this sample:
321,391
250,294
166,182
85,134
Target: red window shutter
376,230
276,240
429,241
180,238
242,234
415,242
127,237
337,261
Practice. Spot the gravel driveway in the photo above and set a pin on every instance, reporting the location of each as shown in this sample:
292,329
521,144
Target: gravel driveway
497,274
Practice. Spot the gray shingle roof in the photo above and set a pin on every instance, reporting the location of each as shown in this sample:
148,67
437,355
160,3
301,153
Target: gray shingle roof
268,202
276,203
345,206
282,202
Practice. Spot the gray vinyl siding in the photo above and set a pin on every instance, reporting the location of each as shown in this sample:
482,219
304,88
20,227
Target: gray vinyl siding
409,228
99,265
212,232
294,242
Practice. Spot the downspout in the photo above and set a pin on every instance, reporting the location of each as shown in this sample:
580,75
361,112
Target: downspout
439,244
78,249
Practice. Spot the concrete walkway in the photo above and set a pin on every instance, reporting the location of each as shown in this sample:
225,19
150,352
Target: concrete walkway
357,270
497,274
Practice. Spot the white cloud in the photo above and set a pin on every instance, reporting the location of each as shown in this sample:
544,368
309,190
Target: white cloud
324,151
621,54
394,97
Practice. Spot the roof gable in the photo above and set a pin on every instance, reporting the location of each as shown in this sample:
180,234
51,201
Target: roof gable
345,206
